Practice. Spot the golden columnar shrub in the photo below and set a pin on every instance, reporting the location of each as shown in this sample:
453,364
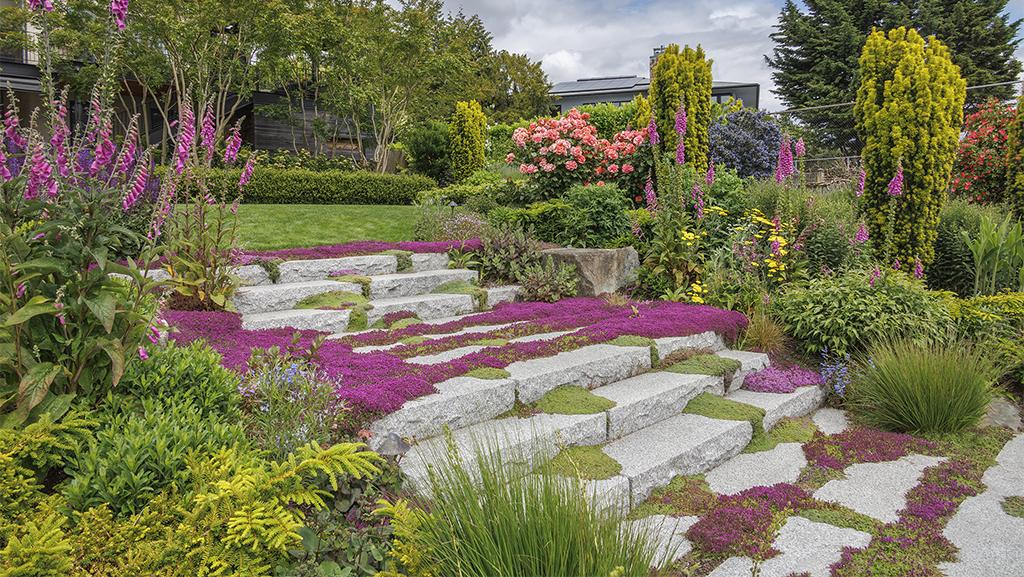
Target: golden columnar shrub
1015,152
909,112
642,112
468,135
683,76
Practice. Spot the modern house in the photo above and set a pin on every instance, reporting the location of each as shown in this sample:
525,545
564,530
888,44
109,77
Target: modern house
619,90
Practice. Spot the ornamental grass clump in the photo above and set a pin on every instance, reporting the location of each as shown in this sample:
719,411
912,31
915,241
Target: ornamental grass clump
494,515
922,387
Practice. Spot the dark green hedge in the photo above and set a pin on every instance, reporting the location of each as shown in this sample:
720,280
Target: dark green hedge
298,186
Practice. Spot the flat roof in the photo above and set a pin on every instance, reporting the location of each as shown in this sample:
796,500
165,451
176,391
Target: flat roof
611,84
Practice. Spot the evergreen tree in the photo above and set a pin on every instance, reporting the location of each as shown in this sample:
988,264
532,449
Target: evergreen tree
1015,158
468,137
683,77
909,112
642,112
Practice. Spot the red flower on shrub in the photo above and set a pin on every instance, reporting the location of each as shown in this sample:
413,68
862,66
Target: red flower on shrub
979,173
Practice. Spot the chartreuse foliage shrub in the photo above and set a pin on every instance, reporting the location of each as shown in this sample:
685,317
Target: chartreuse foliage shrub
467,135
909,112
1015,157
922,387
609,118
683,78
298,186
997,322
845,313
495,515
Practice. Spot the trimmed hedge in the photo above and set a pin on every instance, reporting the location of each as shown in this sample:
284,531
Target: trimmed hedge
297,186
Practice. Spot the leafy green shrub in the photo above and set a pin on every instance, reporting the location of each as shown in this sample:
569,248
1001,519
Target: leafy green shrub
504,253
914,387
954,263
138,454
467,135
302,158
499,141
998,254
297,186
595,218
610,119
497,515
428,145
844,313
997,324
547,281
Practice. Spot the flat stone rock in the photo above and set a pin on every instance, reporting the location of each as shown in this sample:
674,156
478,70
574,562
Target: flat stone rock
766,468
445,356
613,493
429,261
778,406
280,297
749,362
599,270
645,399
423,306
252,275
1003,413
804,547
878,490
830,421
668,535
416,283
588,367
680,445
503,294
710,341
458,403
301,319
319,269
540,337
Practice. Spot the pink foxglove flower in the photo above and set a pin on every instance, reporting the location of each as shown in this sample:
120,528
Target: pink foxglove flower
897,265
800,148
131,143
681,120
46,5
875,275
104,153
860,183
637,231
784,165
250,165
918,268
143,354
20,291
119,10
40,176
59,138
652,132
186,136
698,204
17,140
650,196
208,134
139,185
896,184
709,178
862,235
234,144
5,172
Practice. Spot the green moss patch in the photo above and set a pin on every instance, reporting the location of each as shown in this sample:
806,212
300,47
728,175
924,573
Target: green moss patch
584,463
571,400
1014,506
519,410
786,431
684,496
839,516
413,340
489,342
406,322
461,287
404,259
363,281
716,407
489,373
336,300
705,365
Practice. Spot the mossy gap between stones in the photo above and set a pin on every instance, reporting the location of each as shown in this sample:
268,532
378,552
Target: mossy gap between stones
361,280
403,257
573,400
787,430
583,462
462,287
340,300
635,341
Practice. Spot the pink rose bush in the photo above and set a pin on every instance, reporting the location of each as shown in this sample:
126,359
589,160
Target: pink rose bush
560,152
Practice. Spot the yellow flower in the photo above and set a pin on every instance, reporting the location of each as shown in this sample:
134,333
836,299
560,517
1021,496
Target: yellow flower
695,287
697,299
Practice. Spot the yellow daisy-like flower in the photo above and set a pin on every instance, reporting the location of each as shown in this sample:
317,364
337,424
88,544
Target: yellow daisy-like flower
696,299
695,287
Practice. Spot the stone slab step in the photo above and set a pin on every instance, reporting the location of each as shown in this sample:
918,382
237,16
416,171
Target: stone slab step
668,534
416,283
749,363
445,356
709,341
778,406
467,330
318,269
503,294
425,261
423,306
280,297
518,439
588,367
458,403
646,399
680,445
302,319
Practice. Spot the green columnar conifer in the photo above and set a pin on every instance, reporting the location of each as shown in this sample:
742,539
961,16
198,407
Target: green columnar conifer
642,112
909,112
468,135
1015,158
683,76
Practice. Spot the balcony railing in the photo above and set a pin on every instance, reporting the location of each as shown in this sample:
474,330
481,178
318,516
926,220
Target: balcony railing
21,56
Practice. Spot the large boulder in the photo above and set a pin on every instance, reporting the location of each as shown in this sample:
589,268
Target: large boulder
600,270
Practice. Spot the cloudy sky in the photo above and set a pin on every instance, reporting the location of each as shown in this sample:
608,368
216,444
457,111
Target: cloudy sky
585,38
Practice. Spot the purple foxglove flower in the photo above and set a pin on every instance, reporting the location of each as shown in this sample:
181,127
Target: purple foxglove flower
699,207
234,143
896,184
681,120
46,5
40,176
234,207
860,183
141,180
784,165
208,134
918,269
119,10
103,156
186,136
637,231
862,235
18,142
652,132
130,148
875,275
681,152
20,292
800,148
897,265
250,165
5,172
651,197
709,178
143,354
59,138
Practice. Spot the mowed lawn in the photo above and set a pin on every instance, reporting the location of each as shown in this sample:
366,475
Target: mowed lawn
274,226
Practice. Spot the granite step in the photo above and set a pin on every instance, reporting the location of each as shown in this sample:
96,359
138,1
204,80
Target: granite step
646,399
426,307
416,283
749,363
778,406
679,445
293,271
588,367
281,297
302,319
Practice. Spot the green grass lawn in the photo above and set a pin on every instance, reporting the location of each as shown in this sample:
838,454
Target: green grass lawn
275,226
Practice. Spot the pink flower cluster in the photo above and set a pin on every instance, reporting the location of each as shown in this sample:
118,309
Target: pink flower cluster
567,150
781,380
784,167
862,445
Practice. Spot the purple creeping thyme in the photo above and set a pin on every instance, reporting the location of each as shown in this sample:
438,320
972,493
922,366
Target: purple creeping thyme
781,380
360,248
862,445
744,523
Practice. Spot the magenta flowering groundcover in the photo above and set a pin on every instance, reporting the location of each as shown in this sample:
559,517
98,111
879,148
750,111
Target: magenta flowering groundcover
376,383
360,248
